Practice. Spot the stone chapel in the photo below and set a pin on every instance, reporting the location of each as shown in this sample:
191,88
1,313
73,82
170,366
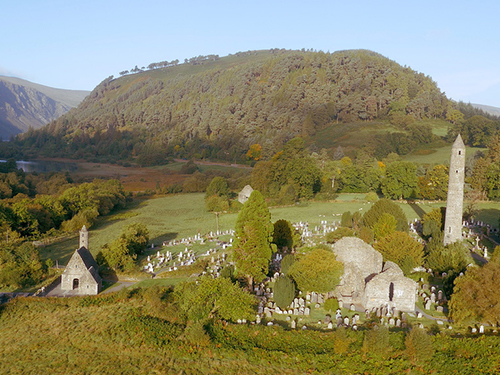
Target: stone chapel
368,281
81,275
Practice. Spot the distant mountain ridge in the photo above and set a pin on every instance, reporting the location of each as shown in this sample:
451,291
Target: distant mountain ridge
495,111
25,104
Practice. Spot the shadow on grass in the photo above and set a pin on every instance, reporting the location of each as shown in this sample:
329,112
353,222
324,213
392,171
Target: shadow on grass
418,210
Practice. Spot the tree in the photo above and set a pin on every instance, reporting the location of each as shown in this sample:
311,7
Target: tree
400,180
306,175
121,254
20,265
284,234
217,195
219,187
384,226
254,152
385,206
214,299
402,249
434,185
440,258
476,296
317,271
433,222
252,246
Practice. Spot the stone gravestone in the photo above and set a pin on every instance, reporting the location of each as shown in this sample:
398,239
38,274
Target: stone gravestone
293,324
428,304
307,311
398,323
330,325
481,329
353,308
440,295
328,319
320,299
391,322
419,314
314,298
295,311
339,321
346,321
439,309
433,297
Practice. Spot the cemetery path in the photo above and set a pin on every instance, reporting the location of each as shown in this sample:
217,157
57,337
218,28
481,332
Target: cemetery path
418,309
119,286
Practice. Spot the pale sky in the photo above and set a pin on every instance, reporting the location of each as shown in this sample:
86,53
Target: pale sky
74,44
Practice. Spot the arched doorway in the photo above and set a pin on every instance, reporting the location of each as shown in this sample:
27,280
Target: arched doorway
76,283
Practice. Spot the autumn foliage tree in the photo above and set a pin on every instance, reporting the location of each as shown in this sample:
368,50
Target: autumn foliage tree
476,296
402,249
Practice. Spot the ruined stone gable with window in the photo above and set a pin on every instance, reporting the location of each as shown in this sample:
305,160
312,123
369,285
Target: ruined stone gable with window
81,274
368,281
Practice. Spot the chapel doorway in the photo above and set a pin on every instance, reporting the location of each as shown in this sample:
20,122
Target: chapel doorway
76,283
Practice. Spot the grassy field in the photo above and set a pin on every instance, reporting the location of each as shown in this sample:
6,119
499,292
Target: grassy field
184,215
440,155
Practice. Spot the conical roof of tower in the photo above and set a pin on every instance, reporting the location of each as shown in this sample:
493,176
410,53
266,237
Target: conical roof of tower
459,143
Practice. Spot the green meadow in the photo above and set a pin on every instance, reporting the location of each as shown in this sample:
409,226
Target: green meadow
184,215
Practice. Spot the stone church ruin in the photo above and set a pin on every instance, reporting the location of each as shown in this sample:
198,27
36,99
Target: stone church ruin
81,275
368,281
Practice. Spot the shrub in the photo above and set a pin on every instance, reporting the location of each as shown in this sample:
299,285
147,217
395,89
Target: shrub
338,233
317,271
284,291
346,220
418,346
366,234
287,262
377,342
331,304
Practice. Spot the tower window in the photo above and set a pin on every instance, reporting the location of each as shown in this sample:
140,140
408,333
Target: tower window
449,229
456,171
459,152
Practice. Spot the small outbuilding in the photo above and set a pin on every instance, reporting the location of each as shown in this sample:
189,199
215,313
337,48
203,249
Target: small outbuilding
244,194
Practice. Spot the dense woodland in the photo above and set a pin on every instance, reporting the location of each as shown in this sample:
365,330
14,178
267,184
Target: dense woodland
218,109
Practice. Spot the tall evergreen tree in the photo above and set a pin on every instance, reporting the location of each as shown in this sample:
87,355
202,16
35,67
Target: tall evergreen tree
254,235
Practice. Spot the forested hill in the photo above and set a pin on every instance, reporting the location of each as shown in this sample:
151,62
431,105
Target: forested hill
24,104
218,107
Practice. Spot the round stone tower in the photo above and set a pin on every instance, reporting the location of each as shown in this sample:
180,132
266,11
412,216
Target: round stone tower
84,238
455,200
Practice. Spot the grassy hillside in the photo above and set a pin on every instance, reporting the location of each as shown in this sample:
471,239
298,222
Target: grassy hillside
138,332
